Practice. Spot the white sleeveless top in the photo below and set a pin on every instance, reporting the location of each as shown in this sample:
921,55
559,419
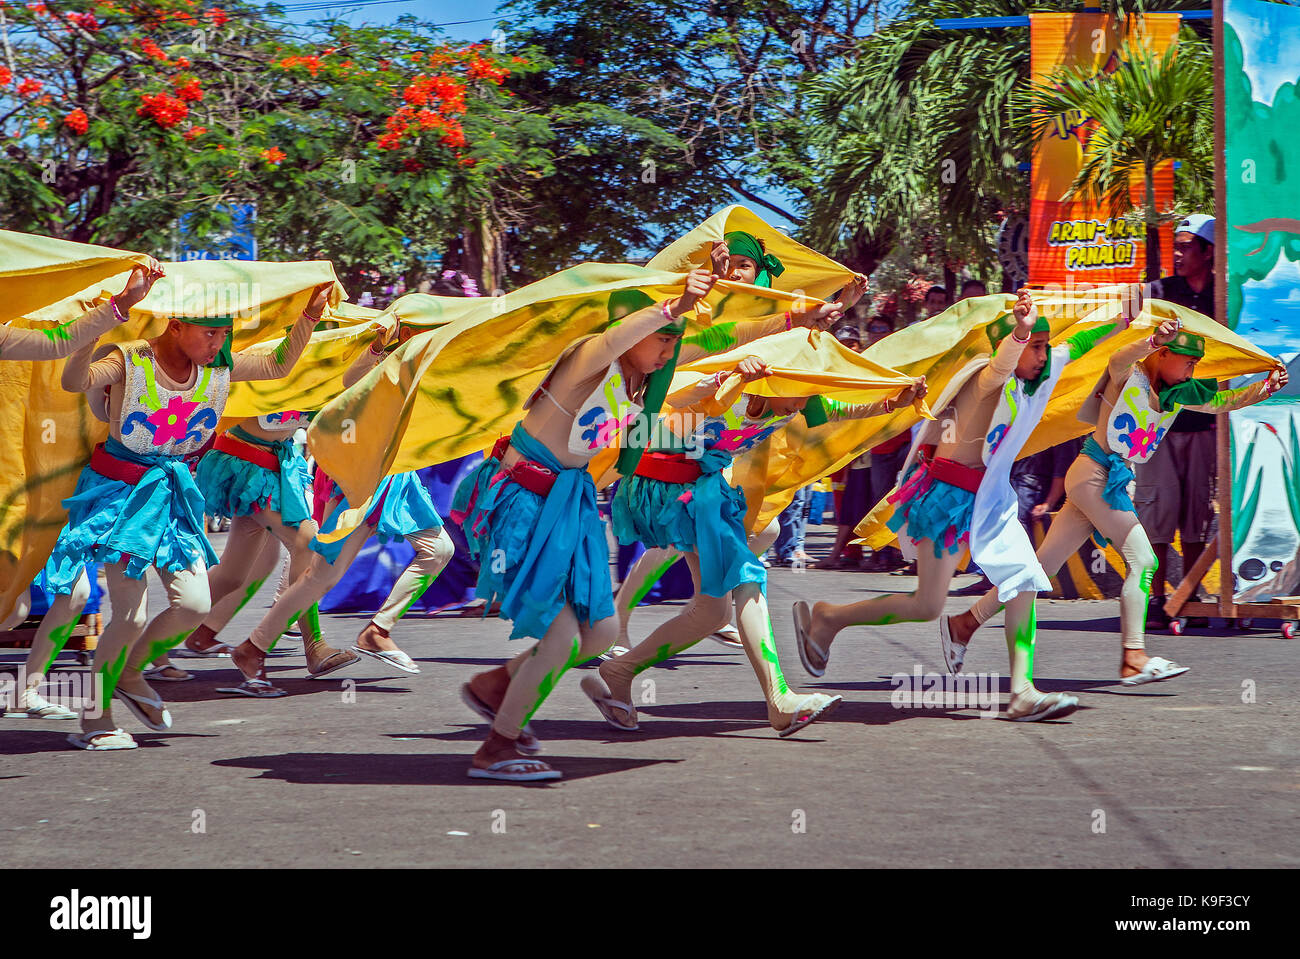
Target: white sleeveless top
601,416
155,420
1136,428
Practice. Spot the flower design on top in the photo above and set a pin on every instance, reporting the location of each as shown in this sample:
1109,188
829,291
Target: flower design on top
996,437
171,422
734,440
1140,441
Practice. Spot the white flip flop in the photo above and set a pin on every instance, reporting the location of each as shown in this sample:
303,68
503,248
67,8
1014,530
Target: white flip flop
1047,706
136,703
103,739
820,713
393,657
1155,670
803,641
954,654
594,688
727,636
501,771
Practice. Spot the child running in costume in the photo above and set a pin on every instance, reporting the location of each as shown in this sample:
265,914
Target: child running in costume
957,492
1145,386
136,504
678,498
741,257
530,510
257,476
402,509
64,611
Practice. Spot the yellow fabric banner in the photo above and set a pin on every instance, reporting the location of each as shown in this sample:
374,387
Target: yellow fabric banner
806,270
1227,355
46,433
36,271
452,391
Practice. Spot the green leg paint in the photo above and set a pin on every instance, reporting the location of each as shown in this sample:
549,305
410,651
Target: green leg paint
423,582
1020,646
249,593
663,652
309,623
769,654
550,680
111,673
59,636
160,646
649,584
883,621
291,619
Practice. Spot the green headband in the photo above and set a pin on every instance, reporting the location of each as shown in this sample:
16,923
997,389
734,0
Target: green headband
746,244
1187,344
224,357
998,329
626,302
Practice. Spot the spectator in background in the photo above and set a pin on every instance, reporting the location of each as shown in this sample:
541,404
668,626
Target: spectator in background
1039,481
854,478
973,287
936,301
886,462
1175,487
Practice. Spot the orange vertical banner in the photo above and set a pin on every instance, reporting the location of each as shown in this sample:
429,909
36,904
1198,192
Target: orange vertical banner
1076,243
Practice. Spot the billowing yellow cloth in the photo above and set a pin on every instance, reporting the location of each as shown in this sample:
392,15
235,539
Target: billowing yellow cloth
46,433
452,391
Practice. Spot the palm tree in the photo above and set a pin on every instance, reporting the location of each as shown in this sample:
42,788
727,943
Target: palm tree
1148,111
922,112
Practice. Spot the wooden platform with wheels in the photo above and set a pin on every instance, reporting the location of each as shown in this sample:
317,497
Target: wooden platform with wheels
84,639
1178,607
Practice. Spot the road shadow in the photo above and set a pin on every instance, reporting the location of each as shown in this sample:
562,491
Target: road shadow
30,741
204,687
386,769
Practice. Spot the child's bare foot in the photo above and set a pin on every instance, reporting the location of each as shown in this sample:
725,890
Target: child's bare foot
490,686
376,639
202,640
249,660
1132,662
498,750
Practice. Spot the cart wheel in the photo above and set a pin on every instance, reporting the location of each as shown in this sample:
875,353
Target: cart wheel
1176,626
84,657
1288,630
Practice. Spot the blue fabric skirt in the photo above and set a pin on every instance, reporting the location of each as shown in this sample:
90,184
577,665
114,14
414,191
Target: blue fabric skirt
705,517
406,507
156,522
537,554
235,487
932,509
1118,475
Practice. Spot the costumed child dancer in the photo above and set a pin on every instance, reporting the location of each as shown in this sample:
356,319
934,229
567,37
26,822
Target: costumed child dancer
1145,386
136,504
957,492
741,257
678,498
256,475
402,509
55,344
530,509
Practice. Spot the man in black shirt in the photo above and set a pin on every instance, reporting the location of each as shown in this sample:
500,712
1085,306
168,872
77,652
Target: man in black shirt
1175,487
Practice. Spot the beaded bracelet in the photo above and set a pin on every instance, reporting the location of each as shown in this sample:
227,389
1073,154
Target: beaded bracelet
112,302
789,322
1019,340
667,315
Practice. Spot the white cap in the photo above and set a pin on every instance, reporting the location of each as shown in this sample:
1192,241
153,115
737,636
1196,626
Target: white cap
1200,224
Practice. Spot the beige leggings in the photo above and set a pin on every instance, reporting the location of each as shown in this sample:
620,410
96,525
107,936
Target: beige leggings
56,628
131,639
1083,511
433,551
654,563
251,554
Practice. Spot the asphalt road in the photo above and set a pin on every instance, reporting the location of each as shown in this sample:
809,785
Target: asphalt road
368,768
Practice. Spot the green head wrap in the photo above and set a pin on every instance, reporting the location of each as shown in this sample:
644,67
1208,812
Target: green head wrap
224,356
623,303
1187,344
1193,392
746,244
997,332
